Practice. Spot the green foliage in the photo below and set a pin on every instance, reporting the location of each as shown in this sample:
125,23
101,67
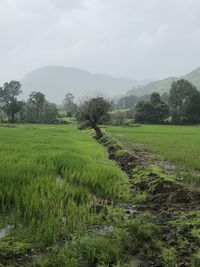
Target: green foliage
38,110
91,112
196,259
69,107
57,257
99,250
184,102
142,228
130,264
8,99
155,98
145,112
11,248
169,257
187,224
154,111
141,237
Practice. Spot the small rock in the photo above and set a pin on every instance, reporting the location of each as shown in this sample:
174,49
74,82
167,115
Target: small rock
179,178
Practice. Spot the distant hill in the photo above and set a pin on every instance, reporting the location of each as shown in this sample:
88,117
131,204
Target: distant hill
56,81
164,85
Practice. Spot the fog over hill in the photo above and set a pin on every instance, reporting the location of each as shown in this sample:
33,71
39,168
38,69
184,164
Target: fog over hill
164,85
56,81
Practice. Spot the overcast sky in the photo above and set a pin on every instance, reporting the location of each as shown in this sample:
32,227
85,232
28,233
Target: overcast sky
136,38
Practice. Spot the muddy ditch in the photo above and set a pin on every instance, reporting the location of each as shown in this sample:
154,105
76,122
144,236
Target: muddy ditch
174,205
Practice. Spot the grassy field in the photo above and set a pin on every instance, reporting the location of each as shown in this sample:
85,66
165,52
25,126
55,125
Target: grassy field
53,181
178,143
63,203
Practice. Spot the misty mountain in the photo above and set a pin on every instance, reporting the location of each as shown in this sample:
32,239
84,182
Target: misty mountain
164,85
55,82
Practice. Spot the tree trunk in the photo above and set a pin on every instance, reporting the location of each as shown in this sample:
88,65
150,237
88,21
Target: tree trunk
12,117
97,131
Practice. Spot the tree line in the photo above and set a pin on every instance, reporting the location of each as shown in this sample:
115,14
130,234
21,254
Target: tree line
180,106
35,110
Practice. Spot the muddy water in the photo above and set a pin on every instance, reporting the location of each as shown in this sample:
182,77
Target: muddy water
5,231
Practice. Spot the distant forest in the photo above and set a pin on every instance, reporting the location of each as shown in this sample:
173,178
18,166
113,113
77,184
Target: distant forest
180,106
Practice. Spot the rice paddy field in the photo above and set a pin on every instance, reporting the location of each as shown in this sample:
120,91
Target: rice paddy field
55,185
63,203
178,143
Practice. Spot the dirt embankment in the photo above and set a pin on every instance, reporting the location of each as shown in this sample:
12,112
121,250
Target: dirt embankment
174,205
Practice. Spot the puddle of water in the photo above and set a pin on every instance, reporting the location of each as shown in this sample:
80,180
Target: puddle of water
59,179
5,231
106,229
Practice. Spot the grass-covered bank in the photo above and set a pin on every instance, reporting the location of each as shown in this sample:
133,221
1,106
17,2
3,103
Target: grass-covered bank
180,144
173,206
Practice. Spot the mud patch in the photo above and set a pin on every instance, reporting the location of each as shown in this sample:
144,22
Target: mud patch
125,160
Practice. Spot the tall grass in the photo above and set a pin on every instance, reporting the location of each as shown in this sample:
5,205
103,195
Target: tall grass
53,173
178,143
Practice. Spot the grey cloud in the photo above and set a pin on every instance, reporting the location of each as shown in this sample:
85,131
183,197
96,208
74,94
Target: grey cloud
140,39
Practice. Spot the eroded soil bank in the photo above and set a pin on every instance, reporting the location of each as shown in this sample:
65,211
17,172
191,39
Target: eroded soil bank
173,205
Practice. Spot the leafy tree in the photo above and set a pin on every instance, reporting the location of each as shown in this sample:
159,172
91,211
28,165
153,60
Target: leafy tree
145,112
8,99
155,98
22,116
184,101
154,111
165,98
69,106
38,110
1,114
38,99
162,110
50,112
35,106
91,112
191,108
